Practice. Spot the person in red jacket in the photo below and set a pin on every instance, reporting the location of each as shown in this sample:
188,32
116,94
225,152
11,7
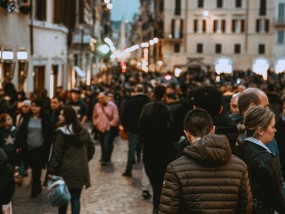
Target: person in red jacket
207,178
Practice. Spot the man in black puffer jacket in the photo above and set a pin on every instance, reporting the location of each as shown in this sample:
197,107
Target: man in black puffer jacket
207,178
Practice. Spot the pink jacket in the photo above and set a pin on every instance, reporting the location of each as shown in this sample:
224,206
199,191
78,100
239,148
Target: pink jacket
101,121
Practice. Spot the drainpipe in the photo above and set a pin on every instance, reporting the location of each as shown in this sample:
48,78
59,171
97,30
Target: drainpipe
31,29
246,25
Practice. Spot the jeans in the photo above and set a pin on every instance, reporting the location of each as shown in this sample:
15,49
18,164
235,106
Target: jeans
75,202
106,140
133,142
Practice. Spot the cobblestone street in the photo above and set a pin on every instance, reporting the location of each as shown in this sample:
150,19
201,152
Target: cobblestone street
110,191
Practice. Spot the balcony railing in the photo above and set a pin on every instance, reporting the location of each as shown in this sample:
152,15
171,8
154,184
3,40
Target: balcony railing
279,23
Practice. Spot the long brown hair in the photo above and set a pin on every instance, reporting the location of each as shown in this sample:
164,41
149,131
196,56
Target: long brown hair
71,120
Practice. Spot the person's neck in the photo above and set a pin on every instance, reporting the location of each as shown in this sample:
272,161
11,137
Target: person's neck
194,139
36,116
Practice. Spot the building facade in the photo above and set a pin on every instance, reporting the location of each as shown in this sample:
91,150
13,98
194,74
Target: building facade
279,24
205,32
14,47
240,30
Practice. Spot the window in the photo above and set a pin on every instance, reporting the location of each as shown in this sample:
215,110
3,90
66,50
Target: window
219,26
237,25
200,3
41,9
176,48
261,49
262,25
237,49
199,26
219,3
262,8
161,6
199,48
218,48
177,7
280,37
281,12
177,28
238,3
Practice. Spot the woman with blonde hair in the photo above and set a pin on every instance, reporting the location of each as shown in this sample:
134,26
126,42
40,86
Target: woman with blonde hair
263,166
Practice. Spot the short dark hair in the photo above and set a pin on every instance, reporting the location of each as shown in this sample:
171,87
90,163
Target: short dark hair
208,98
198,122
159,92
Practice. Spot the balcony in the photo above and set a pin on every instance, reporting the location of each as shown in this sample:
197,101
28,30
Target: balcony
279,23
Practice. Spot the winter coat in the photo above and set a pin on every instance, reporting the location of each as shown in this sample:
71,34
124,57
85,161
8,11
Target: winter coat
154,134
70,156
7,182
265,176
131,114
47,136
207,179
9,141
280,139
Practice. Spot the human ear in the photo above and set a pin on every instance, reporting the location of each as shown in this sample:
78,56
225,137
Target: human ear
213,129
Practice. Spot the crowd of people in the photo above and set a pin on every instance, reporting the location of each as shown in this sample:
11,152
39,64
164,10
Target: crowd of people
206,143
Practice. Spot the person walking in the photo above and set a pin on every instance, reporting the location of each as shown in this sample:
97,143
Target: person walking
263,165
154,135
35,138
130,118
207,178
73,149
78,104
105,120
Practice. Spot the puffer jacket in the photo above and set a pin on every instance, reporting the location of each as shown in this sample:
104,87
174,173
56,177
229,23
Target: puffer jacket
70,156
207,179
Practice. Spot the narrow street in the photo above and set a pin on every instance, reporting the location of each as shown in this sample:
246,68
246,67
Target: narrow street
110,191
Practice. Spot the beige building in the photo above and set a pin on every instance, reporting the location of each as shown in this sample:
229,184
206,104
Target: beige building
279,24
14,47
206,30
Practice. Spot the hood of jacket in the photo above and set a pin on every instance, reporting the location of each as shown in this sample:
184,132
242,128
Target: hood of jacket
210,150
77,139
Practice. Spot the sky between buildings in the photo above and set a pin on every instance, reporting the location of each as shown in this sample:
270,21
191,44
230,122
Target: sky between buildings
124,9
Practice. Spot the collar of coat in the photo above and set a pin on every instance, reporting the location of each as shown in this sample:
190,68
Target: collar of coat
210,150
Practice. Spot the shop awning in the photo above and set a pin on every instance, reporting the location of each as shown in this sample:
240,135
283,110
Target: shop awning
79,71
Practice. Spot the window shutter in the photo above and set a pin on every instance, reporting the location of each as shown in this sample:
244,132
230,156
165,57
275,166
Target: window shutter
233,25
223,25
204,26
267,25
257,25
215,25
172,27
242,25
195,25
181,28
